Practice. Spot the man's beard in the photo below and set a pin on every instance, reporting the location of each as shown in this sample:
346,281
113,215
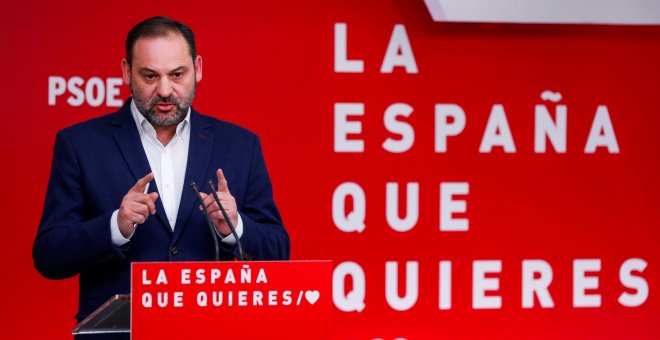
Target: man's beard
147,108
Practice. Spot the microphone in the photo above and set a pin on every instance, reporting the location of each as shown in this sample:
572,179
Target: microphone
224,214
208,219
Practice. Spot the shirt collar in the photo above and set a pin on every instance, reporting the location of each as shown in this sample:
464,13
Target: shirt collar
143,125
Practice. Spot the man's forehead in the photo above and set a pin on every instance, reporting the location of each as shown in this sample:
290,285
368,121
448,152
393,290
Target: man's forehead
161,35
169,51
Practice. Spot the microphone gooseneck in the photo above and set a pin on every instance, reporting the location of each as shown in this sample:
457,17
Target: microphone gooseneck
208,219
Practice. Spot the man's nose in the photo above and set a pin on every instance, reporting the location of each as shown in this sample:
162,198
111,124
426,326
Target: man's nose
164,87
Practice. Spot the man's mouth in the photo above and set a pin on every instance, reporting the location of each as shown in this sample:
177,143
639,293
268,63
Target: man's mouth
164,107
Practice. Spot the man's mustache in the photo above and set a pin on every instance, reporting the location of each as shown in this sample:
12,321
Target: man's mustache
165,100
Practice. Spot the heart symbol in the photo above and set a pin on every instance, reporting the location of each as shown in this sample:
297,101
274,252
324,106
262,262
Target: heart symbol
312,296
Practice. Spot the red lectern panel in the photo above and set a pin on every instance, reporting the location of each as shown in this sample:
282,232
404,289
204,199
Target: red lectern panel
226,300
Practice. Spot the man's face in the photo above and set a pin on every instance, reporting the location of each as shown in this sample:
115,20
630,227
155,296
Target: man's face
162,78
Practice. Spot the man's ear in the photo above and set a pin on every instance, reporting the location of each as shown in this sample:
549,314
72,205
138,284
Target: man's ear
198,68
126,71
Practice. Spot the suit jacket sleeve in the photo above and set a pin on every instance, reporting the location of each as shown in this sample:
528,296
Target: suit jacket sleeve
264,236
68,240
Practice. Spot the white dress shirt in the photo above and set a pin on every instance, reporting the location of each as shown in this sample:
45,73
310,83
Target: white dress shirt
168,164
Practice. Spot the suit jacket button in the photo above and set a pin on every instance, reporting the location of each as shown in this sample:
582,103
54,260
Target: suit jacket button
174,251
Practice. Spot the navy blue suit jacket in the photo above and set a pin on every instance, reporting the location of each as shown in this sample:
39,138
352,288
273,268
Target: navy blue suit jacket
96,162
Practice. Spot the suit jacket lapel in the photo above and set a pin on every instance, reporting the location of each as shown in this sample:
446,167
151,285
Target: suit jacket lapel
128,140
199,156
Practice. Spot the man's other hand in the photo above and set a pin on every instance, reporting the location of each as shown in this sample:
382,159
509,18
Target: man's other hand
228,202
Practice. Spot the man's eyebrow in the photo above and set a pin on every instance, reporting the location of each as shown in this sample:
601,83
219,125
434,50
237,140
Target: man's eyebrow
146,70
180,68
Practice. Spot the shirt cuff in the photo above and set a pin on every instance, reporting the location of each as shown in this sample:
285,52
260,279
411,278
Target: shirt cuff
117,238
230,239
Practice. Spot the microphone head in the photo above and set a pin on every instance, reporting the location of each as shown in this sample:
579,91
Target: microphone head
211,185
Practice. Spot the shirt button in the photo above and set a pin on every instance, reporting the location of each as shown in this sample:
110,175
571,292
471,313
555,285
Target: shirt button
174,251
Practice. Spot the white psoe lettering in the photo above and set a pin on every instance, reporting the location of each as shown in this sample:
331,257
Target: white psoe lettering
93,91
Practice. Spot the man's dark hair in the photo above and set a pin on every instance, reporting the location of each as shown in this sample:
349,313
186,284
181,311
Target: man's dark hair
159,27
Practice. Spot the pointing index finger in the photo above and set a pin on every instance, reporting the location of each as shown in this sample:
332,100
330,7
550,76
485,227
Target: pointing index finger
142,183
222,182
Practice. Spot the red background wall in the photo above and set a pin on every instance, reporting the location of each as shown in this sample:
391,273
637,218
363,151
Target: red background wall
268,65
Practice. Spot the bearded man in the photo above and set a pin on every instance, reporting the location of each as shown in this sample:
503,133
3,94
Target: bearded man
118,189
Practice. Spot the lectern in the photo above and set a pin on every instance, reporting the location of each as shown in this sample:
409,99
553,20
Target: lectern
250,300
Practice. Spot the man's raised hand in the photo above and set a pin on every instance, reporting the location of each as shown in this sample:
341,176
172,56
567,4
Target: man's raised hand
136,206
228,202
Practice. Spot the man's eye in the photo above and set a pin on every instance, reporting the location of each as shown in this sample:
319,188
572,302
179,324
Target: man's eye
149,76
177,74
